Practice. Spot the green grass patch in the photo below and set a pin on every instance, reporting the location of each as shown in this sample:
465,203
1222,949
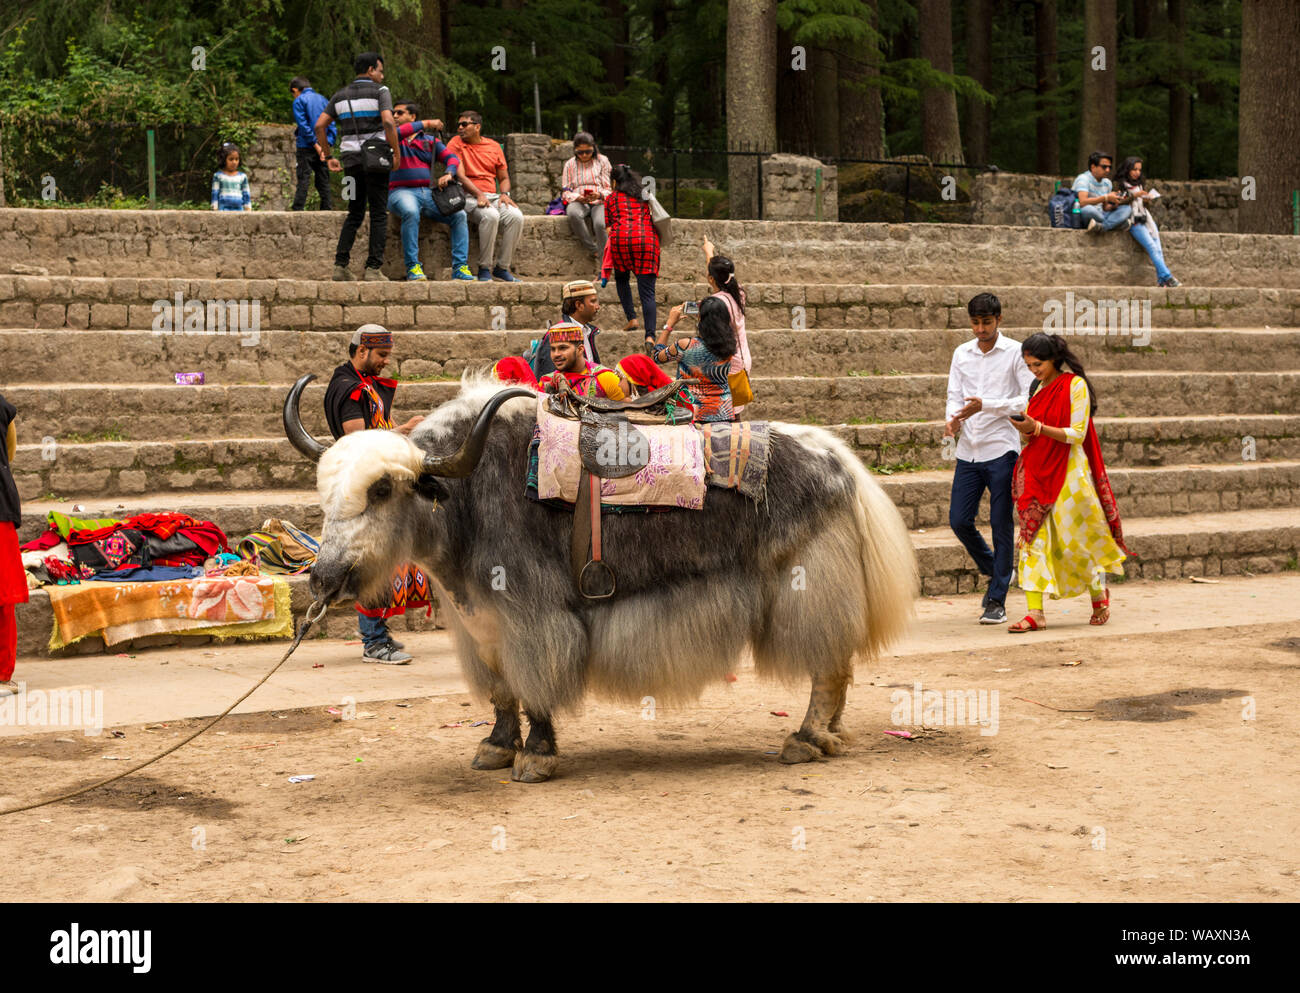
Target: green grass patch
113,433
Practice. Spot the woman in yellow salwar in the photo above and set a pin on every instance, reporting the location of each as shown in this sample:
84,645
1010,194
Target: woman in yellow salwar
1070,535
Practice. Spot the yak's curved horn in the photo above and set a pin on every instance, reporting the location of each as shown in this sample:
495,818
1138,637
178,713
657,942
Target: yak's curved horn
297,434
463,461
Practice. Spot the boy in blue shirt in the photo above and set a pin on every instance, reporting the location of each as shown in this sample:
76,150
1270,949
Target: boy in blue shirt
307,105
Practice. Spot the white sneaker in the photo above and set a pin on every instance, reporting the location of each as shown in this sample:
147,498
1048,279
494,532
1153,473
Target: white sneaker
1093,226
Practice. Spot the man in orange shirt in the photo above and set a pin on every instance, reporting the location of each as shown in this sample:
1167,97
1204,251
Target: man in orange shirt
493,214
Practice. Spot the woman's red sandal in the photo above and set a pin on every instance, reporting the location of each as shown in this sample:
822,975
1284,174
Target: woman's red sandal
1025,624
1100,605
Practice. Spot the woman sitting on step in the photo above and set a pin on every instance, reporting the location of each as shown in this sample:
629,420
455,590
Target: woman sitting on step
1070,535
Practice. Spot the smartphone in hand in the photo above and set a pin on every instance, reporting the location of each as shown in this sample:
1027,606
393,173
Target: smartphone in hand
691,307
1017,417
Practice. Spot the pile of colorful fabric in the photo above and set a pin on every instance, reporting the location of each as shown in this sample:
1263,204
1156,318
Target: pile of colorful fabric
143,548
170,573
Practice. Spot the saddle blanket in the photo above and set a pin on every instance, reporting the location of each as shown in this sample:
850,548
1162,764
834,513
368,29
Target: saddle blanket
674,475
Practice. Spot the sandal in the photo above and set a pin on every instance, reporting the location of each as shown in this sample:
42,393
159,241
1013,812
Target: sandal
631,325
1100,611
1027,623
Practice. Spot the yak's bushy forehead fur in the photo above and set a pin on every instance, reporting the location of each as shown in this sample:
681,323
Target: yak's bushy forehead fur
443,430
355,461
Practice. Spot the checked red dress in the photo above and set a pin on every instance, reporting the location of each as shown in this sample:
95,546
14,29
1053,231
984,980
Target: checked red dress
633,244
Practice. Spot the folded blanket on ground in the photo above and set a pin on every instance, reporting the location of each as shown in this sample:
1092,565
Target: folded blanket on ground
280,547
243,607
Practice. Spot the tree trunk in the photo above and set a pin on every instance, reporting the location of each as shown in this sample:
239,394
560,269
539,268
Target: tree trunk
940,132
1047,131
1268,146
424,31
796,102
1100,93
614,123
826,102
1180,97
751,97
668,93
1144,18
979,66
862,116
511,91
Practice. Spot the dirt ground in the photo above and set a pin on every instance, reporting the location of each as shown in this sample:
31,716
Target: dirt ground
1152,781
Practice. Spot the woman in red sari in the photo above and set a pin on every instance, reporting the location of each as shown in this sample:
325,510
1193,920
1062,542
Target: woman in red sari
1070,534
13,578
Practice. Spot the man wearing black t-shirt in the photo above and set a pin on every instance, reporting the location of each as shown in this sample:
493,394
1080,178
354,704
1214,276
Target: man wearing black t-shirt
357,399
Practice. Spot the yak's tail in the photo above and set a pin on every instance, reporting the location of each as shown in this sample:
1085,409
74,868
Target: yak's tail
889,571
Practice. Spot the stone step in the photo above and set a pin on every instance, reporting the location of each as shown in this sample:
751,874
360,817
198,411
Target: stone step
1174,547
921,497
288,245
281,356
36,621
78,302
86,413
1223,544
1131,441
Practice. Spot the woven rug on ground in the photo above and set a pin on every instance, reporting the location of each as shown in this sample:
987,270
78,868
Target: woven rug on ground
244,607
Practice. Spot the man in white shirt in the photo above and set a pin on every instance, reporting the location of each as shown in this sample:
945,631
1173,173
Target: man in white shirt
987,382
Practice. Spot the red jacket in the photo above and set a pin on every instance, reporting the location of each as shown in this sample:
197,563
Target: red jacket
633,240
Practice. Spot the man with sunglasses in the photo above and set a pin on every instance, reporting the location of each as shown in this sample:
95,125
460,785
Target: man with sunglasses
410,194
1097,202
493,213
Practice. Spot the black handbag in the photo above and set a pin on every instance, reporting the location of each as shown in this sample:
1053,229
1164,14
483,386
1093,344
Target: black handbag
450,199
376,153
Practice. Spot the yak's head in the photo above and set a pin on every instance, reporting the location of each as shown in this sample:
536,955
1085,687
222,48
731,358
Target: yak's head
378,490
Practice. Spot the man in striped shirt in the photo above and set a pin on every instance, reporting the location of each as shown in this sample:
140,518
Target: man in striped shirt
364,110
410,195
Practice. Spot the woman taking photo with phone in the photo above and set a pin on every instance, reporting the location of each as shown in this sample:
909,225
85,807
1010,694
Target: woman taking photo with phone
1070,534
705,362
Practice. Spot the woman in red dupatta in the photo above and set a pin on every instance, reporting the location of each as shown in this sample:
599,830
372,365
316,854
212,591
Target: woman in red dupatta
1070,534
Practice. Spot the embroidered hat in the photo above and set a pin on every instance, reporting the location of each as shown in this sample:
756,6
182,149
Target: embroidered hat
577,288
566,330
372,336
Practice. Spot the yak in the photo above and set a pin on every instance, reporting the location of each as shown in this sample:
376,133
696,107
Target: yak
819,571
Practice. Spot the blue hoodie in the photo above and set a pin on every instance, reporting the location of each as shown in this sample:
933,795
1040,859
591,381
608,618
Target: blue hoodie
307,106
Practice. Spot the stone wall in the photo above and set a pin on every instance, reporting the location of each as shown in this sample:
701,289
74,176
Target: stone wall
790,190
1021,199
272,166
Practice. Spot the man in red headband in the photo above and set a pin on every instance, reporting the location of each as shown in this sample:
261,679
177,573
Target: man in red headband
586,378
357,399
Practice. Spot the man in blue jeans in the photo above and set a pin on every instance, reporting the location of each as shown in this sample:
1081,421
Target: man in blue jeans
358,399
410,194
1097,201
307,105
987,382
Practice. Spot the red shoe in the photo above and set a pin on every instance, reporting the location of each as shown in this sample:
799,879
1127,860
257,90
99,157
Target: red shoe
1027,623
1100,611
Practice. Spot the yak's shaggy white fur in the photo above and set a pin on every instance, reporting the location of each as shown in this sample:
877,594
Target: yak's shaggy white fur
355,461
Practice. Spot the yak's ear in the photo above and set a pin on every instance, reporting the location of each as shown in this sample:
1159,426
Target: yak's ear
431,488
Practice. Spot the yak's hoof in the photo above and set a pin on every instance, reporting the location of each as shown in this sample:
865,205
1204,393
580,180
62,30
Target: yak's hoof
810,746
533,768
492,756
838,731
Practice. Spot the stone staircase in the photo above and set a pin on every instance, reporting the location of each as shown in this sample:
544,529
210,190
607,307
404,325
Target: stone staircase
851,326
